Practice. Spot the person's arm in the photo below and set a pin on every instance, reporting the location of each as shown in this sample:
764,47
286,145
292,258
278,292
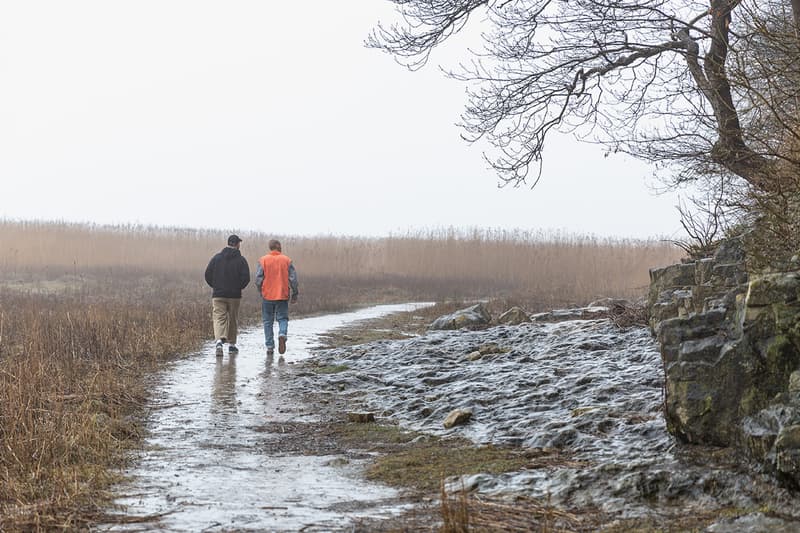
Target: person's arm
293,282
244,275
259,277
210,273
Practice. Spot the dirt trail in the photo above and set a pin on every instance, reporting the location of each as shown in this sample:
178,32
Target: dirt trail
224,448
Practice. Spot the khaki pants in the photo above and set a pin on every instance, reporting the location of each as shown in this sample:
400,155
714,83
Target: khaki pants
225,313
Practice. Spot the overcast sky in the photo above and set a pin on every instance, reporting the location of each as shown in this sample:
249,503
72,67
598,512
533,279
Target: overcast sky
269,116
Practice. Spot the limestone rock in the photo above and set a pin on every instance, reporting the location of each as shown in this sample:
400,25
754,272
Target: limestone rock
730,344
457,417
360,418
485,349
514,317
730,250
787,453
489,347
783,287
474,316
474,356
794,382
614,305
670,278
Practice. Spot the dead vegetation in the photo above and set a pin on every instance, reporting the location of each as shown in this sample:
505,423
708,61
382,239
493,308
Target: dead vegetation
463,513
72,376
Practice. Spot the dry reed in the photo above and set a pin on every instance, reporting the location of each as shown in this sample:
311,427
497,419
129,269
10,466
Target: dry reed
463,513
72,376
546,268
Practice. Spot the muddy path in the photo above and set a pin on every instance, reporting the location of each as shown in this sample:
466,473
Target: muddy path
229,447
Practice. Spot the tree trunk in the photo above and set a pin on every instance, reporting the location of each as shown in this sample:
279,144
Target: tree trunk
730,150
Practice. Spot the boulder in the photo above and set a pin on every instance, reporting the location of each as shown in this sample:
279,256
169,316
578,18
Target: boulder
667,279
485,349
787,453
783,287
490,347
514,317
360,418
614,305
475,316
794,382
457,417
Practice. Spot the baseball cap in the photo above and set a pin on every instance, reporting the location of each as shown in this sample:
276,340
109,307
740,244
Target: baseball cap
234,240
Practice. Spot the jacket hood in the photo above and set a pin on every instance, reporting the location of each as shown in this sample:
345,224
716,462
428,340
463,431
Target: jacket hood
230,253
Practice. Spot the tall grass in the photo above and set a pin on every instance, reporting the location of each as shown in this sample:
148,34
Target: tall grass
548,267
72,377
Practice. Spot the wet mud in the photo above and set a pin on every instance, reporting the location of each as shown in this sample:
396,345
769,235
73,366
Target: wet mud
231,447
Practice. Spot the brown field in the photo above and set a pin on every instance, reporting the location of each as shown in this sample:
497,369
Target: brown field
88,312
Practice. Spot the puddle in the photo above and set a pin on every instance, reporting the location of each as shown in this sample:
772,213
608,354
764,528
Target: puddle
214,458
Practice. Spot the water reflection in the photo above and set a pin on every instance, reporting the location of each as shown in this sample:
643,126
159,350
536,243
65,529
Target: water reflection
224,391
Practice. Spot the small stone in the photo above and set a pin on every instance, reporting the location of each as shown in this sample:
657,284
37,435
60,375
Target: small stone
788,438
361,418
514,317
488,348
474,356
474,316
794,381
457,417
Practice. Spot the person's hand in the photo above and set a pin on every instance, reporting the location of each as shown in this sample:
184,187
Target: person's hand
294,298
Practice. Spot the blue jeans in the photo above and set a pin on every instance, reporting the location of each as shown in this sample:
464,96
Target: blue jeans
272,310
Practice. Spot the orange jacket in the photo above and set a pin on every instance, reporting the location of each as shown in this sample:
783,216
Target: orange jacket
278,273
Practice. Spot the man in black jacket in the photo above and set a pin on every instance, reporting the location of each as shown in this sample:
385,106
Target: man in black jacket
227,273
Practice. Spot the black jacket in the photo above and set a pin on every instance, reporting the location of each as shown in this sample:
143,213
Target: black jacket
228,273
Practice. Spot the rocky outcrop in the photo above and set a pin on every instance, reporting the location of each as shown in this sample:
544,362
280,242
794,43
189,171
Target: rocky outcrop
475,316
730,343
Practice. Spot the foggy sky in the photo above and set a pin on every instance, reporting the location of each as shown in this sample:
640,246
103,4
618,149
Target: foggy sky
268,116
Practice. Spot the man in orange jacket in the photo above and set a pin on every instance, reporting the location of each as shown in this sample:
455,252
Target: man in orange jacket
276,279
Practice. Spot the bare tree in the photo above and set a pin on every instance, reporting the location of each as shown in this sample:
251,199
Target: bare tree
670,81
705,219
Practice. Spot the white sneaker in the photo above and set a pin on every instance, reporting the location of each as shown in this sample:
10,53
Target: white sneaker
219,348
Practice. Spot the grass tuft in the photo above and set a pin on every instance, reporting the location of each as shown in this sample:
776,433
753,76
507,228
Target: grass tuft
331,369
